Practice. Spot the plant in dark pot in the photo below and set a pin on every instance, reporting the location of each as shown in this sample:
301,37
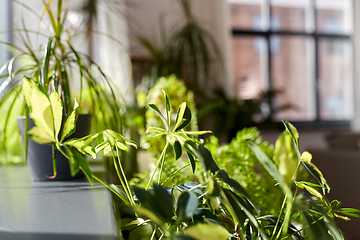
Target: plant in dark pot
56,68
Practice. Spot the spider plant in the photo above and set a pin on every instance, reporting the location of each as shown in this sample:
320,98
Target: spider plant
189,51
57,66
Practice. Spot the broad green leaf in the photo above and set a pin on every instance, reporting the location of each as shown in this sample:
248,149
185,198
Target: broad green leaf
285,157
39,104
183,117
70,123
73,161
186,206
157,110
57,110
120,190
164,202
203,231
83,165
39,135
81,146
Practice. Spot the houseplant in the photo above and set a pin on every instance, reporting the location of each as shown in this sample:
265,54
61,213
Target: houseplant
57,66
217,207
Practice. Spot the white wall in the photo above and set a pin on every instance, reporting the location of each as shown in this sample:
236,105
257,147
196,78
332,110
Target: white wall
356,41
143,18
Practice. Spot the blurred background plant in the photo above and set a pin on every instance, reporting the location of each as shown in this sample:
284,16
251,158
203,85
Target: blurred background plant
54,65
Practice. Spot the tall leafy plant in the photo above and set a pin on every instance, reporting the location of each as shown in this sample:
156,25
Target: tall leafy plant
188,50
57,67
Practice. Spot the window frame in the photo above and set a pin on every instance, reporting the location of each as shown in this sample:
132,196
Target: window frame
267,33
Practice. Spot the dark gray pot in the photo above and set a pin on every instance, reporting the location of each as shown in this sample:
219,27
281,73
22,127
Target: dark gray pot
40,156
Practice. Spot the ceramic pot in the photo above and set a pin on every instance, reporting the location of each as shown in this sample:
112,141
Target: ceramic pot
39,157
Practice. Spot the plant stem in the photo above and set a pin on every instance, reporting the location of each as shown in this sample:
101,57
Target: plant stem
110,188
121,179
54,160
172,174
125,179
278,220
153,234
157,165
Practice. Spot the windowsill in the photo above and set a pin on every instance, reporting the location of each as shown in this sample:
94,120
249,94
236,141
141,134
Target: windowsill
53,210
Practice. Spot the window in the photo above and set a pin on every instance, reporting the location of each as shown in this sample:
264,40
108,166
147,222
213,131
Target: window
301,49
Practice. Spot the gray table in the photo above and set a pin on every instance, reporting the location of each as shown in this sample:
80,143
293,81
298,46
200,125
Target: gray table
53,210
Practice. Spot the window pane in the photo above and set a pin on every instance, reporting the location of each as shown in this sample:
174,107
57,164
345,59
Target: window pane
292,77
288,15
335,80
249,63
246,14
334,16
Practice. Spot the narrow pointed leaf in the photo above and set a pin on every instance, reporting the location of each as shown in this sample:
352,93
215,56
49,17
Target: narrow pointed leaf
83,165
57,110
157,110
183,117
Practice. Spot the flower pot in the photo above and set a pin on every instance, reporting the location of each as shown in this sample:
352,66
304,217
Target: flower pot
39,157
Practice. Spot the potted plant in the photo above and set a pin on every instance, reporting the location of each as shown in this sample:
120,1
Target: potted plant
58,67
218,207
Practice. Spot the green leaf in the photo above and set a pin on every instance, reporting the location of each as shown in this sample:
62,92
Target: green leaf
270,167
121,145
70,123
207,160
192,160
83,165
157,110
183,117
202,231
167,104
186,206
39,104
39,135
317,175
164,202
57,110
177,150
236,186
196,132
120,190
81,146
73,161
47,60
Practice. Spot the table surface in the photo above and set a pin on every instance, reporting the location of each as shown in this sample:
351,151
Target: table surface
53,210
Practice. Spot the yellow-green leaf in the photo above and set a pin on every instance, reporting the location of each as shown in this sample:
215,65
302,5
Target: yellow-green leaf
39,135
57,110
286,157
306,157
209,230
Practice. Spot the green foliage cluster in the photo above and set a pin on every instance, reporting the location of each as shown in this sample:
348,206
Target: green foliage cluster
241,163
215,207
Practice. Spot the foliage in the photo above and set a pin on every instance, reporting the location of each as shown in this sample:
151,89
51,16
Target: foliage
242,164
188,50
216,208
56,67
